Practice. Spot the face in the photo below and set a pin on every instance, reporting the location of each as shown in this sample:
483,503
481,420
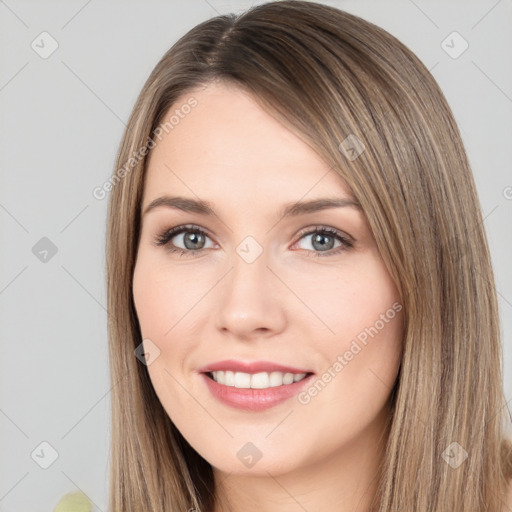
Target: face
258,297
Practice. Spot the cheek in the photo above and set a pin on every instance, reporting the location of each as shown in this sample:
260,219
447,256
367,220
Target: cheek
151,299
362,353
164,301
159,308
161,297
359,301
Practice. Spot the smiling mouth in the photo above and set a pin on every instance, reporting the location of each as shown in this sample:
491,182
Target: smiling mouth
260,380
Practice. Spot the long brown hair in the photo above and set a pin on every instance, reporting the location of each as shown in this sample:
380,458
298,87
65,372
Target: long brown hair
328,75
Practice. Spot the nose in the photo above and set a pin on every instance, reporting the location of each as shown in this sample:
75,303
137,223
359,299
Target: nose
251,300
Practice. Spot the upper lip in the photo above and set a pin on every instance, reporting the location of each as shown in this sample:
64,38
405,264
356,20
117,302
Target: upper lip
250,367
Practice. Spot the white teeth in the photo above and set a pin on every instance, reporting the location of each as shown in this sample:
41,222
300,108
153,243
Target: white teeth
229,378
261,380
242,380
288,378
276,379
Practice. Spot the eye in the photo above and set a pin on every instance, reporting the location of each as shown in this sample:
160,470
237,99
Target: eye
323,239
193,241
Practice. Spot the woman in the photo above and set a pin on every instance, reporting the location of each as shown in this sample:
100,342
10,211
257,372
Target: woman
302,311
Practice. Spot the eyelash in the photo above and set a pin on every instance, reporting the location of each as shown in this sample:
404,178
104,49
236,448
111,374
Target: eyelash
164,239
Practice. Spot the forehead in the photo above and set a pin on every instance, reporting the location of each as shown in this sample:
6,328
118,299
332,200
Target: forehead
229,148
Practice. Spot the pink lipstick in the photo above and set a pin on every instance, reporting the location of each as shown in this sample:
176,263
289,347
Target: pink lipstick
254,386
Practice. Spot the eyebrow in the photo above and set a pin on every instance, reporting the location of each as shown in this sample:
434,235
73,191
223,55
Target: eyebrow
289,210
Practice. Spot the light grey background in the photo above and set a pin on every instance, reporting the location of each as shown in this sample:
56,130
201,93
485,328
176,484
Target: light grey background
61,123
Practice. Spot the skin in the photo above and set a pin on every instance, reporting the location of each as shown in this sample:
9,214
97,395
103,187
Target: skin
288,306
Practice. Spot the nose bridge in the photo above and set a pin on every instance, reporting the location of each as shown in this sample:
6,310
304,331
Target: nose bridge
249,274
247,302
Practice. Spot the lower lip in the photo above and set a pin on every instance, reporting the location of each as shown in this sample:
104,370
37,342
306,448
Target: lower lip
254,399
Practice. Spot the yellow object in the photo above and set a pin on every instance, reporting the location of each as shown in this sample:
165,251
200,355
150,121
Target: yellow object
74,502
